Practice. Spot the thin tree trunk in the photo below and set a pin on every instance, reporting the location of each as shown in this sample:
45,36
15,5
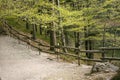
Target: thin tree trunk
52,31
77,42
52,40
88,44
40,29
91,56
75,36
35,27
27,25
63,41
86,41
34,32
66,38
104,32
62,31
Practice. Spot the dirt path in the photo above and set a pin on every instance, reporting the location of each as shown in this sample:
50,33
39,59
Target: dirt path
18,62
21,62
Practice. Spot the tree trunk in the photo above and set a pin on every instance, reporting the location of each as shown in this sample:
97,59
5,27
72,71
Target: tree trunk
75,36
63,41
52,40
66,38
34,32
40,29
62,31
52,31
77,42
35,27
104,32
86,41
27,25
91,56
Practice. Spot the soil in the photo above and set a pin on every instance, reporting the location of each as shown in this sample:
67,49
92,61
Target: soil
22,62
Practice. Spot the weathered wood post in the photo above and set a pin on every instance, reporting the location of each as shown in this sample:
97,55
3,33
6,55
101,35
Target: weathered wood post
103,54
57,50
78,58
39,51
18,39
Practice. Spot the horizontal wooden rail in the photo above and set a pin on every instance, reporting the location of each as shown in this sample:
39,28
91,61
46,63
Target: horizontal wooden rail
96,60
73,55
24,35
109,48
91,51
111,58
67,47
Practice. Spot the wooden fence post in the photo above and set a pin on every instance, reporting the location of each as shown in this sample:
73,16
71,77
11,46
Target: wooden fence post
78,58
39,51
103,54
57,50
78,53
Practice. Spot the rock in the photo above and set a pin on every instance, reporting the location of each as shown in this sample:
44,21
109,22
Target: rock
50,59
104,67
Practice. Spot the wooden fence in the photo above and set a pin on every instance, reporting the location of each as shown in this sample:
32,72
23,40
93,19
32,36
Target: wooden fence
45,48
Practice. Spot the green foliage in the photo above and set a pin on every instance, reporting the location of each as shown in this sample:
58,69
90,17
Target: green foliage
94,14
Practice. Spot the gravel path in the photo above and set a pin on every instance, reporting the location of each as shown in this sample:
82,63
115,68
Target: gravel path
18,62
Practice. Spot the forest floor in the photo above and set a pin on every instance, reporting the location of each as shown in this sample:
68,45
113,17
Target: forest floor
22,62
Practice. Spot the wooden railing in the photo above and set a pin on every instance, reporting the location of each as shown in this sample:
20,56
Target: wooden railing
45,48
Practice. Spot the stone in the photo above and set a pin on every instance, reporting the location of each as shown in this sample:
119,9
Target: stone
104,67
50,59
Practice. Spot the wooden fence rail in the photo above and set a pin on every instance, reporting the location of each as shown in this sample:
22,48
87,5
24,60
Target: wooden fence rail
38,45
109,48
